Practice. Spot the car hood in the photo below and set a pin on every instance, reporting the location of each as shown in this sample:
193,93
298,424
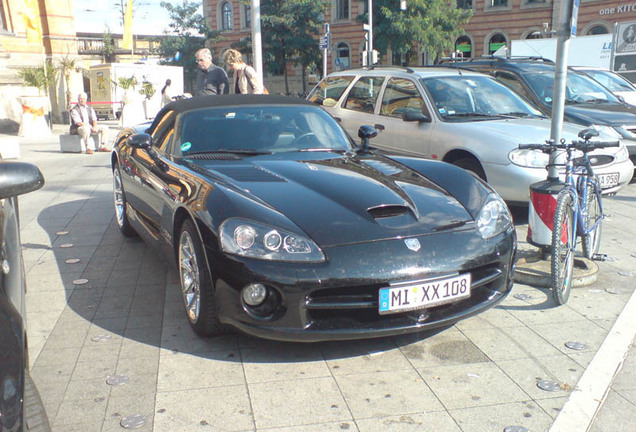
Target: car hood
601,114
515,131
341,199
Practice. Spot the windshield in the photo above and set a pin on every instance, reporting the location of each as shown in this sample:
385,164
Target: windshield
470,98
260,129
613,82
579,89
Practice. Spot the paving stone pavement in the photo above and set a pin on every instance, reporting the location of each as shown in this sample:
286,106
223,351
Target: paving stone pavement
116,317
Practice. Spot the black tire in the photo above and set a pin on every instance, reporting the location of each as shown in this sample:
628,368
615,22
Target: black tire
196,283
34,413
472,165
592,240
562,253
119,200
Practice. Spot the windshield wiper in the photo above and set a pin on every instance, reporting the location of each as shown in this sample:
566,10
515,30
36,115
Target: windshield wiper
480,115
321,149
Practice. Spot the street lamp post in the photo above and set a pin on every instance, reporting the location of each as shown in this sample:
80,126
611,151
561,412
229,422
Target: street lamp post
257,50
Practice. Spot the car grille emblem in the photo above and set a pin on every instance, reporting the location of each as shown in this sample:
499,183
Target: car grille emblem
413,244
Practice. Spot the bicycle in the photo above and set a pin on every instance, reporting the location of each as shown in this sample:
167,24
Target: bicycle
579,209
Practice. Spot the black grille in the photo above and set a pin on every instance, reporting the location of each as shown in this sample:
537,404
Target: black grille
357,306
214,156
598,160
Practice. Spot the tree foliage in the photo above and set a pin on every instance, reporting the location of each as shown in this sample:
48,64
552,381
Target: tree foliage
40,77
188,33
431,24
108,51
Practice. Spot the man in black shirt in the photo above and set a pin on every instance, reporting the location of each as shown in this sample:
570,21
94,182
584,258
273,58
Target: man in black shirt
211,79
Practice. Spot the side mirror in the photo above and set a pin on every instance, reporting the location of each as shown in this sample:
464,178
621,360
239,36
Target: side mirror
587,134
329,102
366,132
415,116
17,178
140,141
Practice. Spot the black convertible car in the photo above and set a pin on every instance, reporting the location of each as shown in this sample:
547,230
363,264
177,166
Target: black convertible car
21,407
283,227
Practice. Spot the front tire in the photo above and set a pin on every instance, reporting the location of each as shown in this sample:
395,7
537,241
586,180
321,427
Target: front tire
562,253
592,239
119,199
196,284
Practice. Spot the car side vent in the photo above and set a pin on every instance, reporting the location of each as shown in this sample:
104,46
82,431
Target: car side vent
214,156
388,211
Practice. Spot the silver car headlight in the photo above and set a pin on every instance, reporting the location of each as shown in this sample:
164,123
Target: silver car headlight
494,217
529,158
622,154
255,240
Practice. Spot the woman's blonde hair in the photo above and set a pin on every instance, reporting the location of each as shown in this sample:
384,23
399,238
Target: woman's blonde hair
232,56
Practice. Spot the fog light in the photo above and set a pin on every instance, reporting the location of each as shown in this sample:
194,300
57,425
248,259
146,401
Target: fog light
254,294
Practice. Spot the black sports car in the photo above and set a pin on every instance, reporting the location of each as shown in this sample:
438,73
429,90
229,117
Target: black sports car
281,226
21,408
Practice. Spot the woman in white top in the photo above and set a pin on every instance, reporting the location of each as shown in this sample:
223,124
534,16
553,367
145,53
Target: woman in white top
246,80
166,93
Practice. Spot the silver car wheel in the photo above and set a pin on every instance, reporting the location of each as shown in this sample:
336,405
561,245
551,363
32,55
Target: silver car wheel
190,277
118,196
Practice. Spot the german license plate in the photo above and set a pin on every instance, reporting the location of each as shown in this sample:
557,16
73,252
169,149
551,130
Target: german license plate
422,294
607,181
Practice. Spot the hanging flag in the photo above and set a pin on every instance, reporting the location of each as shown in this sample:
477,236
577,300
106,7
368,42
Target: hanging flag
32,21
127,42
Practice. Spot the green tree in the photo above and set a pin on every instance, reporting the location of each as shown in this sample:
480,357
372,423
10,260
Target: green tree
40,77
66,66
108,49
432,24
290,31
188,33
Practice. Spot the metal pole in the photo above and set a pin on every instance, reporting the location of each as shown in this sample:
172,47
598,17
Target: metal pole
257,49
560,76
325,51
370,52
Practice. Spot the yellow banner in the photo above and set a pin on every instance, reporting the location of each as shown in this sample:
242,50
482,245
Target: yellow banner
127,43
32,21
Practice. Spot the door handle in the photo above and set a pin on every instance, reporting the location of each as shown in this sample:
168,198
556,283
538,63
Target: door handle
378,126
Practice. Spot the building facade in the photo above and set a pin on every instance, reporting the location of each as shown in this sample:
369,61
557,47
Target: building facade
493,25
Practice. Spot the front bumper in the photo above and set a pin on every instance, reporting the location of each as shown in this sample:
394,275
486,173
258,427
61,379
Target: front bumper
338,299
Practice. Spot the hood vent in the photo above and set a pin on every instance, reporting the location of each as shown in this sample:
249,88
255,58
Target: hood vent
388,211
248,173
214,156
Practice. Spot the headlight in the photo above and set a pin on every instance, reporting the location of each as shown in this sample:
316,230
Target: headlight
494,217
255,240
622,154
608,130
529,158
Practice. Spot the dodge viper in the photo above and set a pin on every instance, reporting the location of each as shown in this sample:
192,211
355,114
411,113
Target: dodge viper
282,226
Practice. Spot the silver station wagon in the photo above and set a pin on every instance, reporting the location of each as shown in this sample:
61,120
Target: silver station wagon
462,117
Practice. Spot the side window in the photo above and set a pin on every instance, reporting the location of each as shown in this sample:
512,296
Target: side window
163,131
510,80
364,94
401,95
329,90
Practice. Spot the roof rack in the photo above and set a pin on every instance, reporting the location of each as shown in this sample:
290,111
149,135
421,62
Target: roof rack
495,58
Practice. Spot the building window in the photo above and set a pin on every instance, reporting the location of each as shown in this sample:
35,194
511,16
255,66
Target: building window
342,9
597,30
497,41
343,57
464,4
248,15
534,35
463,46
226,16
498,3
535,1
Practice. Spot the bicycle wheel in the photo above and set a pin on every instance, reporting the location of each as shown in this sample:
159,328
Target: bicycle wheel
592,237
562,253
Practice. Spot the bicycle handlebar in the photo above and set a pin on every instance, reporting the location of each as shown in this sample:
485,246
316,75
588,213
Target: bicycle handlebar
585,146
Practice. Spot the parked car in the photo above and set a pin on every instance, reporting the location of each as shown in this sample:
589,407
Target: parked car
612,81
586,102
465,118
21,408
284,228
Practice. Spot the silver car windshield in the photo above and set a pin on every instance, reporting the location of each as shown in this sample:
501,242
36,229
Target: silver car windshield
612,81
579,89
260,130
475,98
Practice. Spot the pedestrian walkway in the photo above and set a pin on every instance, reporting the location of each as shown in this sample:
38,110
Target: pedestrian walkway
111,348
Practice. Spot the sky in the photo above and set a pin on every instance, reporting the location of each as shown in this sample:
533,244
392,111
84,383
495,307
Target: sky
94,15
